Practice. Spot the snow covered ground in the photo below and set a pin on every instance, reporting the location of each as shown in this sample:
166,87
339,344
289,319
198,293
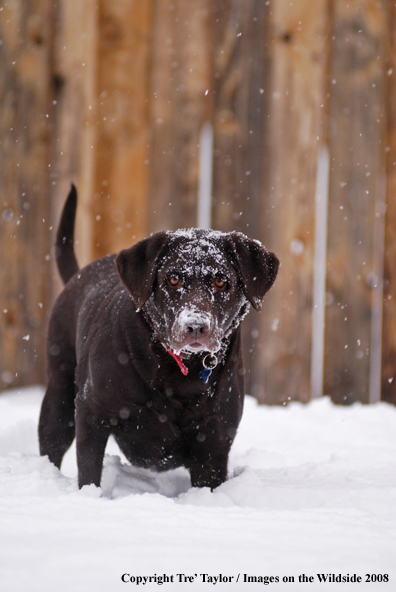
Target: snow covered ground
312,490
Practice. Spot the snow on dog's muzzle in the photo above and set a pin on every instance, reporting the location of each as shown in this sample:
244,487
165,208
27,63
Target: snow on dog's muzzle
194,331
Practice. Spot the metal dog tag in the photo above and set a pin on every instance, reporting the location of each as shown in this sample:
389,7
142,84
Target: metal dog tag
209,363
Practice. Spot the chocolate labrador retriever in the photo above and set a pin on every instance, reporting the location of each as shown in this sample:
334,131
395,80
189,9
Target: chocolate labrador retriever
146,346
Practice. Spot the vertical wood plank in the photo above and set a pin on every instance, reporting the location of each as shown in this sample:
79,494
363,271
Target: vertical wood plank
239,108
356,150
121,180
389,311
298,45
26,31
180,76
76,116
239,76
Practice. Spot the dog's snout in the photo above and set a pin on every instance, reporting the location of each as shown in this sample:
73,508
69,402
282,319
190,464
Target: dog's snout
193,328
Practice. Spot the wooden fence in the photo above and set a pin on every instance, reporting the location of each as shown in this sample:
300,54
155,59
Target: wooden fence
292,106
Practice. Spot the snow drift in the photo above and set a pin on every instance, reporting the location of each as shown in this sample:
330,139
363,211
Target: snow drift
310,502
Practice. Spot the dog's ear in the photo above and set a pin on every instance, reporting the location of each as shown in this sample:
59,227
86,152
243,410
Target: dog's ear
257,267
137,266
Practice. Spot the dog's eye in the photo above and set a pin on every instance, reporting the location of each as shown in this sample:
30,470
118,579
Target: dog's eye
220,284
175,281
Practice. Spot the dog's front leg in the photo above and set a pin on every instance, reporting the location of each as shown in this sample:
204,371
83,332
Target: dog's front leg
208,475
91,440
209,472
209,458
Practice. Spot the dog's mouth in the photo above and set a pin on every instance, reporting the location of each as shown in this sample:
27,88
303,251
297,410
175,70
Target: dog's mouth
186,347
185,351
195,346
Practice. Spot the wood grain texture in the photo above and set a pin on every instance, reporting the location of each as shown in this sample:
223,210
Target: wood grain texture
389,312
26,31
121,166
298,39
238,114
356,151
180,76
76,117
112,95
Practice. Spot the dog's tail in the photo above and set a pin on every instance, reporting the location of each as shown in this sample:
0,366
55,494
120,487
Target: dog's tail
64,246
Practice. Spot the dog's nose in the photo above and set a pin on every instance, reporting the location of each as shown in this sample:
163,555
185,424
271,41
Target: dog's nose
198,329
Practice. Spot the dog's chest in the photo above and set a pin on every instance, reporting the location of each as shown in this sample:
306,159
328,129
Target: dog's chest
159,434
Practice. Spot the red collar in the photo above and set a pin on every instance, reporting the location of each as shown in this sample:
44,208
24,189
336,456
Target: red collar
178,359
209,363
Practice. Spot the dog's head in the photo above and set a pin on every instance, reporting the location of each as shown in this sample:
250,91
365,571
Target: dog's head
195,285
